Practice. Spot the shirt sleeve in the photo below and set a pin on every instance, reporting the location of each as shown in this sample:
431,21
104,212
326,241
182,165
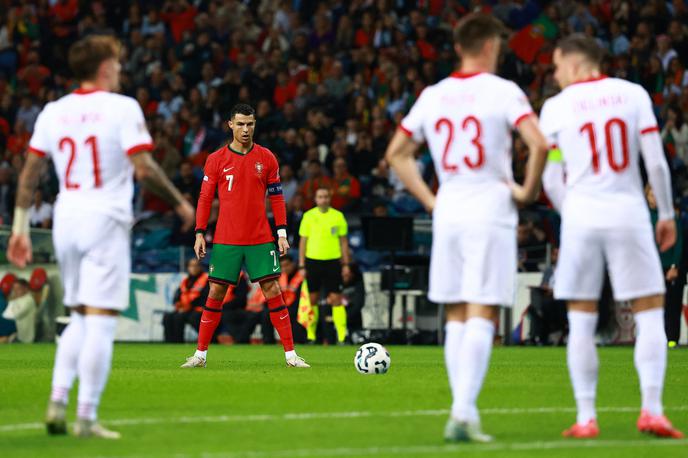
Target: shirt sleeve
412,124
343,227
40,140
647,122
548,124
134,137
273,172
207,194
517,105
304,226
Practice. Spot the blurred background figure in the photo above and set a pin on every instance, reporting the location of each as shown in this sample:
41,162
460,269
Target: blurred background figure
188,303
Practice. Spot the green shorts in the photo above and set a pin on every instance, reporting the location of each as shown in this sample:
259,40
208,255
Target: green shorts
261,261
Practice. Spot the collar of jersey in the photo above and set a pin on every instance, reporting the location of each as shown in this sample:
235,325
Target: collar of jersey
590,80
239,152
81,91
463,75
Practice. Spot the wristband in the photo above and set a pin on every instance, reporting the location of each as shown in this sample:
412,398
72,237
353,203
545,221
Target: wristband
20,222
282,233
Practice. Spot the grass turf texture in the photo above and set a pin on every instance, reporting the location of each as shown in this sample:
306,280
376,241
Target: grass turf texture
255,407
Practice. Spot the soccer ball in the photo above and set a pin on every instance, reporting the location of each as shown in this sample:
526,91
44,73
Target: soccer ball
372,358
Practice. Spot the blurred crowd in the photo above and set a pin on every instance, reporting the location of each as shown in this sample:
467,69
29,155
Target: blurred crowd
330,81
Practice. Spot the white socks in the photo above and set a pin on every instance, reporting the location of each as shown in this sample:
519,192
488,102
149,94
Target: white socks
473,359
201,353
651,357
453,335
582,360
67,357
290,354
94,362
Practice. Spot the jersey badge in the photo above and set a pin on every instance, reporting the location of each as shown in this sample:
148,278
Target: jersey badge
259,168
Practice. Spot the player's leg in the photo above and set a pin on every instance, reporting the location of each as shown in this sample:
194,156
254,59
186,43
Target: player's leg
71,340
453,336
104,293
334,284
579,281
224,270
314,275
210,319
636,275
262,265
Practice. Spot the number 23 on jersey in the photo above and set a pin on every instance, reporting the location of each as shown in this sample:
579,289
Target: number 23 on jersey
471,126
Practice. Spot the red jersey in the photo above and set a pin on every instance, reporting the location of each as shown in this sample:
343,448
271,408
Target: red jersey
241,181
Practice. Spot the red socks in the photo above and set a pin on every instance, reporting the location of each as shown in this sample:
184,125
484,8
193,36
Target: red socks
279,316
212,313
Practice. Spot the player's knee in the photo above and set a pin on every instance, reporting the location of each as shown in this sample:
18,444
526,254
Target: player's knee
270,288
641,304
217,291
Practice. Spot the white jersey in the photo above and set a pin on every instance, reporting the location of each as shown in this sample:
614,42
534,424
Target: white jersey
597,125
89,136
467,120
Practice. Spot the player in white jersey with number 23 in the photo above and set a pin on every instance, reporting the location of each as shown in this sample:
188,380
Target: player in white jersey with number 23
601,126
467,121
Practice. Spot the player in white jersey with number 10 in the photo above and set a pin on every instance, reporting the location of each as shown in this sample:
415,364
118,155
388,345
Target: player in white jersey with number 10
97,140
601,125
467,121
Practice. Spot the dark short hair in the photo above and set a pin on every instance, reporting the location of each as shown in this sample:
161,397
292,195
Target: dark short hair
242,108
580,44
86,55
323,187
474,30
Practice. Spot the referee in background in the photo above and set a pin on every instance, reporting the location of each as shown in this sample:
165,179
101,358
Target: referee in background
324,258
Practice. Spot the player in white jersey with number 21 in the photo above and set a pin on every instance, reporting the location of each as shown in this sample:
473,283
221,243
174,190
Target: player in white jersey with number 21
601,126
467,121
97,140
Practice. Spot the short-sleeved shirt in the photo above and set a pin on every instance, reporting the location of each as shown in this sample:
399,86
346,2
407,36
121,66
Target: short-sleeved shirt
89,136
597,125
242,181
323,230
466,120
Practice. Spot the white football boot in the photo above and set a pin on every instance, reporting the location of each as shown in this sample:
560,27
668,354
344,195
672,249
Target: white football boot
90,428
194,361
297,361
55,418
463,431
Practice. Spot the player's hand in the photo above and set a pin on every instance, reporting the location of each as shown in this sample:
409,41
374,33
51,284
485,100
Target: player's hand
283,245
19,250
199,246
346,273
302,271
519,194
672,274
187,214
430,204
666,234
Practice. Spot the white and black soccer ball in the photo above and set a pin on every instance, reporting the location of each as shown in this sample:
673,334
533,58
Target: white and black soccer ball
372,358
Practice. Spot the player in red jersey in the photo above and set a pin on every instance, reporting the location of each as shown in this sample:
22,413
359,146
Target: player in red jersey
242,172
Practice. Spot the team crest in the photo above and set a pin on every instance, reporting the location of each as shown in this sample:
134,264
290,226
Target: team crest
259,168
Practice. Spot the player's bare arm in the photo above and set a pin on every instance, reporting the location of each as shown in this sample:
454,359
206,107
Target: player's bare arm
537,158
19,246
154,179
303,241
346,262
401,157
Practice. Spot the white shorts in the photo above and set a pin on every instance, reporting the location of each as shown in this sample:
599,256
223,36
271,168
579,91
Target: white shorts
629,255
474,264
93,253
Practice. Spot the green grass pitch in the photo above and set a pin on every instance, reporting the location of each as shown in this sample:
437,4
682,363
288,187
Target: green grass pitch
247,404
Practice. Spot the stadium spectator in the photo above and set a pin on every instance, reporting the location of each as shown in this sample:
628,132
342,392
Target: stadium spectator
8,329
316,180
675,134
346,189
41,212
188,303
21,307
324,257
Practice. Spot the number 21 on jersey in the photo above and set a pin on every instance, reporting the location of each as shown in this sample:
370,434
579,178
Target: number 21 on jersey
68,145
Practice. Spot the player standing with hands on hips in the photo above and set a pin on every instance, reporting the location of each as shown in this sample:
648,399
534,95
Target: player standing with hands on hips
601,125
97,140
242,172
467,120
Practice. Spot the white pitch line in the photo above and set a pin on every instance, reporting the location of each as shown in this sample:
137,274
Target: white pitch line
297,416
418,450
